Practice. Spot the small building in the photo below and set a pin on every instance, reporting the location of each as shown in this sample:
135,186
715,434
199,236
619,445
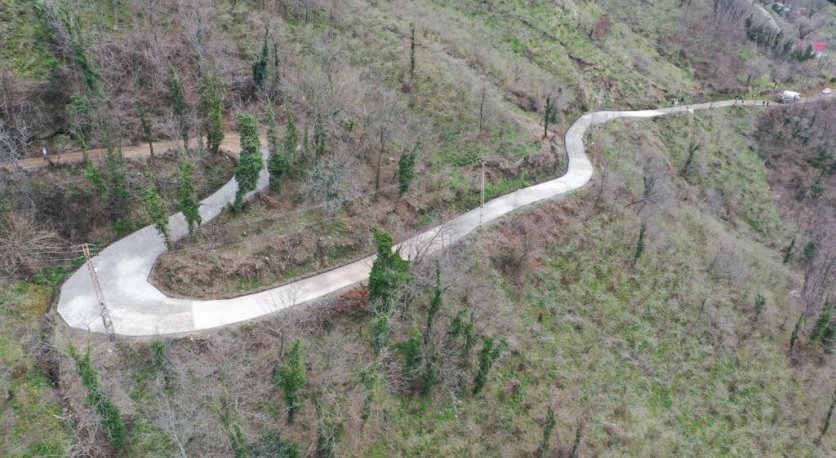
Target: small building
819,48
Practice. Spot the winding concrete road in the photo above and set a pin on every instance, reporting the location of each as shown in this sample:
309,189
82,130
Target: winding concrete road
138,308
766,15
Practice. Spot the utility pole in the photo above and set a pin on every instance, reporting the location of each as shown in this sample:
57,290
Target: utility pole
482,204
97,287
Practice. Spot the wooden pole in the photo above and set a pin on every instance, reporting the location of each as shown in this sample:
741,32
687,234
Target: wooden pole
97,288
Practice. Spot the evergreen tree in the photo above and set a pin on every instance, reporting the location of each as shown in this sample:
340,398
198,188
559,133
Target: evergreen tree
278,164
250,162
156,211
187,196
291,378
211,101
110,416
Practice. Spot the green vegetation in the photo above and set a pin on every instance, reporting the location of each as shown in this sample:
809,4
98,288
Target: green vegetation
211,99
278,162
31,410
145,124
290,377
649,314
487,355
389,273
187,201
179,106
156,210
291,140
250,161
320,137
406,170
110,416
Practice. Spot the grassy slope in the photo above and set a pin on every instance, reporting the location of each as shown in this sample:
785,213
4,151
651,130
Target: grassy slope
31,415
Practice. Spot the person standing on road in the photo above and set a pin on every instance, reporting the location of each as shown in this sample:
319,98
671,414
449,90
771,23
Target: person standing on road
45,152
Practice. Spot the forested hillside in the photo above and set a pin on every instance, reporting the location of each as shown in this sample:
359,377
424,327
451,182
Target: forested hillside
680,304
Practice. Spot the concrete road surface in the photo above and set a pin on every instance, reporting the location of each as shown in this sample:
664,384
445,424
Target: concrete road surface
137,308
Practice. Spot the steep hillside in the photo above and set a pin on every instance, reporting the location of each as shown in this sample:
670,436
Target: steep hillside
650,323
676,306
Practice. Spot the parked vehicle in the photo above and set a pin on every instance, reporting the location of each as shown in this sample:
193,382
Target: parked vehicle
788,97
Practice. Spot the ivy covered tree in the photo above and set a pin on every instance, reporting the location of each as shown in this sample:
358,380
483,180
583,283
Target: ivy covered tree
250,162
211,102
464,330
406,170
278,164
291,138
550,115
145,124
389,273
79,120
487,355
117,177
187,201
291,377
824,331
319,138
381,329
413,353
435,304
179,106
228,414
272,444
260,67
156,211
80,123
111,418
